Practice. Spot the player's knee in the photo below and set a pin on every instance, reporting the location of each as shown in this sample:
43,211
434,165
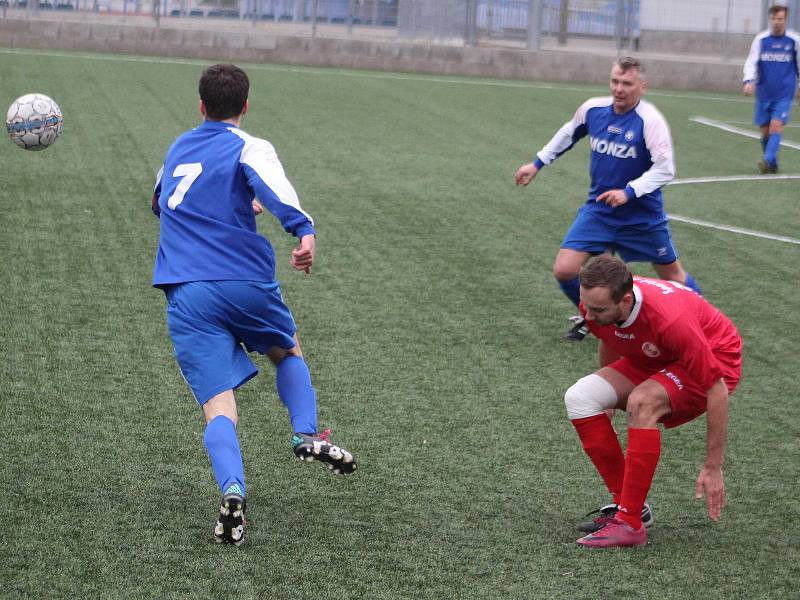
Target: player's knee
643,408
589,396
565,272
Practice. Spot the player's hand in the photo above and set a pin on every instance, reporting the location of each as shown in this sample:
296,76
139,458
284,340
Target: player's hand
711,485
258,208
613,198
525,174
748,89
303,255
154,206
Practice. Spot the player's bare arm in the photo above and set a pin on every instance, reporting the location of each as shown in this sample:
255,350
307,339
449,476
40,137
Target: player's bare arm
613,198
258,208
303,254
525,174
710,481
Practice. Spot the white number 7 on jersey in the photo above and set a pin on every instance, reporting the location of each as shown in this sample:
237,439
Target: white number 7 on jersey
189,172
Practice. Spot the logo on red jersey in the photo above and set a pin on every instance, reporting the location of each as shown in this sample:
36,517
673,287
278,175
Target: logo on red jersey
624,336
651,350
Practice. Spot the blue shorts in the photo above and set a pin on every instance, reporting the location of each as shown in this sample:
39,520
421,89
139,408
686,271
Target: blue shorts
633,243
210,322
767,110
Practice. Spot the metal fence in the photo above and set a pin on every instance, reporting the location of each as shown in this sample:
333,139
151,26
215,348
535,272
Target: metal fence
702,27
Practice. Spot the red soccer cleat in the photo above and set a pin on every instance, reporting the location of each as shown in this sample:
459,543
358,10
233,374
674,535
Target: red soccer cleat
615,534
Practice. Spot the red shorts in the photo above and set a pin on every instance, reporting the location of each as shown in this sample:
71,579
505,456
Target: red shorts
686,397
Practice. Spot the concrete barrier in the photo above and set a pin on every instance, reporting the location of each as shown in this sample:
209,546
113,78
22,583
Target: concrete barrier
585,65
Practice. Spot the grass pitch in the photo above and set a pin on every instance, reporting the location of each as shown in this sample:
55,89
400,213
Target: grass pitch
431,324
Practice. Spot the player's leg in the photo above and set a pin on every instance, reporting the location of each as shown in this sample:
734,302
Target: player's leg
587,402
213,364
586,236
674,271
773,144
566,267
645,405
222,445
653,243
761,118
293,383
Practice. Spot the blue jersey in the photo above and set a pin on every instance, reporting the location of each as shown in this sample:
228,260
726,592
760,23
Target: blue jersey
773,65
205,190
630,151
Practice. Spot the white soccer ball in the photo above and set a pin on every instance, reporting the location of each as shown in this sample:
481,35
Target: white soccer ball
34,121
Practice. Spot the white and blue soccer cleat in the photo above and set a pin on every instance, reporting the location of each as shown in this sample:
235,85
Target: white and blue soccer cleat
308,447
229,528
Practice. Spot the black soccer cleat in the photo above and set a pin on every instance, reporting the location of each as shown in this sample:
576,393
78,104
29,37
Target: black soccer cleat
607,514
579,329
230,524
308,447
767,168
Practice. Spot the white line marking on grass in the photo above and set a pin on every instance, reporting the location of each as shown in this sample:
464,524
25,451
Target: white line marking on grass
750,232
787,126
352,73
731,178
738,130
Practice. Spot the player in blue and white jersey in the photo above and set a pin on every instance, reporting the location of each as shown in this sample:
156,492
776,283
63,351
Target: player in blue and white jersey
771,69
218,275
630,161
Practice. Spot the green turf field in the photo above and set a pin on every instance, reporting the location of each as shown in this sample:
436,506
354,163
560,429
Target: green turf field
432,327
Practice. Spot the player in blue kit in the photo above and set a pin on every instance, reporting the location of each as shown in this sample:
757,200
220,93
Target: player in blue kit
218,275
771,70
630,161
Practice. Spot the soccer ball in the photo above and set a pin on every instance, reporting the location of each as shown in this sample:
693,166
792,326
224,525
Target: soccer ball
34,121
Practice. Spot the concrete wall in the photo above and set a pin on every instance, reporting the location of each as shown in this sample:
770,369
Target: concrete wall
588,65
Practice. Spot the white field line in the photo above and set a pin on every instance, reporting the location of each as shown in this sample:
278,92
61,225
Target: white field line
725,178
787,126
351,73
740,230
737,130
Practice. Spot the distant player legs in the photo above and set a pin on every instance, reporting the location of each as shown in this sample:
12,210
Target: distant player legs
567,265
771,140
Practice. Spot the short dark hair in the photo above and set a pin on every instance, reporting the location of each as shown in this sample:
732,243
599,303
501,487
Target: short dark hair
776,8
626,63
223,90
608,272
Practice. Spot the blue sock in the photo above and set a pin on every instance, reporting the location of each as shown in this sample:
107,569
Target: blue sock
692,284
222,446
771,151
572,289
296,392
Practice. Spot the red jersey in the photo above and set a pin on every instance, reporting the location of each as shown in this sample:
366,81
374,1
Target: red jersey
670,323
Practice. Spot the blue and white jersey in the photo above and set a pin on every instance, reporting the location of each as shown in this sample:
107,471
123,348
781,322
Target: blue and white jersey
630,151
773,65
205,190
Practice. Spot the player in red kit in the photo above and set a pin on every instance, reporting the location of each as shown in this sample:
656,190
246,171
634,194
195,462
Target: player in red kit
668,356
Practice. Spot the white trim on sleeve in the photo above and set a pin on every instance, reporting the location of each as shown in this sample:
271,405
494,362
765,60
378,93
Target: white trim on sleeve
658,141
260,155
563,139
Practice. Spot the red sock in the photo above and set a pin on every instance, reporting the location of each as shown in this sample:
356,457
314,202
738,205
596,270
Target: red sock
644,450
601,444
